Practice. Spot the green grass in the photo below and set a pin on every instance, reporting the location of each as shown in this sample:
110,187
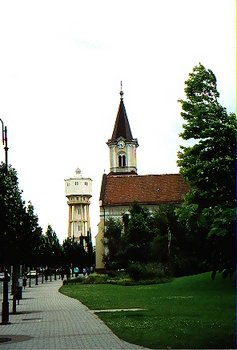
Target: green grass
189,312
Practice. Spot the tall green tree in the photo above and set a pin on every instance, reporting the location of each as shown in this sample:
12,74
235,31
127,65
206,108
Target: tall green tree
74,253
11,213
138,234
155,237
112,236
19,230
28,237
164,229
52,250
208,165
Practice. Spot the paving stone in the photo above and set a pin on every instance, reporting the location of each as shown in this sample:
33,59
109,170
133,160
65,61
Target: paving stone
47,319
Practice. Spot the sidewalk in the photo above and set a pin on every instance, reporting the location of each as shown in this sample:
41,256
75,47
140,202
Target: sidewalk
47,319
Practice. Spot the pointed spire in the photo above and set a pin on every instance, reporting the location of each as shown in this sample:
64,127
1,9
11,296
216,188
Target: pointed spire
122,127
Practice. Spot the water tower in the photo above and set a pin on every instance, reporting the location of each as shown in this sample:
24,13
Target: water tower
78,191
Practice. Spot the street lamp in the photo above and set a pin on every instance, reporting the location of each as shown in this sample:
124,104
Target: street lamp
5,303
4,142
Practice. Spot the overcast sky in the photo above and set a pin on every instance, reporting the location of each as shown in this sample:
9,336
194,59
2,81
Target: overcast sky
61,63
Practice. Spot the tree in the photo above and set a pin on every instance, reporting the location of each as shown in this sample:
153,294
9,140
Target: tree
74,253
151,238
11,209
112,237
138,235
28,237
52,251
208,165
164,228
19,230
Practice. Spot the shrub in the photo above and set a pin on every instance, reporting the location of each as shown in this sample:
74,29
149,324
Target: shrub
96,278
139,274
74,280
148,271
185,266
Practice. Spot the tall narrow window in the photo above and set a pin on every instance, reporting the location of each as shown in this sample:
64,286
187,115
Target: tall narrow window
122,160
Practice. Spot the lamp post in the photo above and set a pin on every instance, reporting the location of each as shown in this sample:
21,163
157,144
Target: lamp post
4,142
5,302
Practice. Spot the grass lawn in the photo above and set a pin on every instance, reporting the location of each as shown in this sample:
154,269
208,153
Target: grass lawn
189,312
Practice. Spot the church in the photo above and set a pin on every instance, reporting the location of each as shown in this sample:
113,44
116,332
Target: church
123,186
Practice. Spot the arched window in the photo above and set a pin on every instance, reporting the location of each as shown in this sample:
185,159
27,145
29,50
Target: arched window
122,160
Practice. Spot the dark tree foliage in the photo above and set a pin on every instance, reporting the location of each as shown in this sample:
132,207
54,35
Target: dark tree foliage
146,237
112,238
51,249
162,240
19,230
75,255
208,165
29,237
138,235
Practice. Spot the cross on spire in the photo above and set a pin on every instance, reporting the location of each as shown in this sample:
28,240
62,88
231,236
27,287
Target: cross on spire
121,89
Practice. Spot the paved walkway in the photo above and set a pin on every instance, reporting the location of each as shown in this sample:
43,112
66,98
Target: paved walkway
47,319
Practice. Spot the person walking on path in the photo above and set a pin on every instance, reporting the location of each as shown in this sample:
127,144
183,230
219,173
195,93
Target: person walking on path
24,281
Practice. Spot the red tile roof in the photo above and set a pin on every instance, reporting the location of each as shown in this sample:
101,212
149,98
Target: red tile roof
143,189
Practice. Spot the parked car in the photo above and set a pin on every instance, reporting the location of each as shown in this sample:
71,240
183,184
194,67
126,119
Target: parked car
31,274
2,276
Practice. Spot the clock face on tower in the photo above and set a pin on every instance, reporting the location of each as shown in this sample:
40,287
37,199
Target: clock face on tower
121,144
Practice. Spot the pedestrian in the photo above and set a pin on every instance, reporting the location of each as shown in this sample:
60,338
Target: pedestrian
46,274
24,281
76,271
61,272
68,272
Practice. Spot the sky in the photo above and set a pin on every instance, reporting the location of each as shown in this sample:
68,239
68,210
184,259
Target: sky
61,63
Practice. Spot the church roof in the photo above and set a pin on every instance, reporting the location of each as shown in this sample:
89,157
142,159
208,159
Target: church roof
143,189
121,127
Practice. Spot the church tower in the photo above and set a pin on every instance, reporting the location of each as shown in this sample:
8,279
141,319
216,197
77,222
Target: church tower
122,145
123,186
78,191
